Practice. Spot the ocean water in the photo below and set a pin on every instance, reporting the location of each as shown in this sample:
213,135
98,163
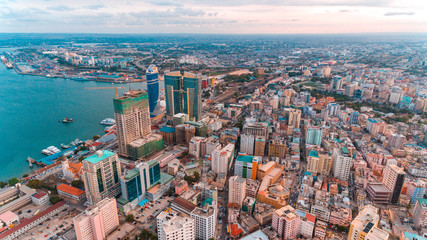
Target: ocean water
31,108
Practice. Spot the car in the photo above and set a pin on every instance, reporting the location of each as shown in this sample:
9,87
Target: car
28,211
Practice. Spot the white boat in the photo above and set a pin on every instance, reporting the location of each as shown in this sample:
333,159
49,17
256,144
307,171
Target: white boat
109,128
47,152
108,121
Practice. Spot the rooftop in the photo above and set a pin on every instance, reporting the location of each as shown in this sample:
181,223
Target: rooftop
70,189
99,156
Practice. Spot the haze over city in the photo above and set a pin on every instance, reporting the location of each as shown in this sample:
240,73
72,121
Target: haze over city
220,17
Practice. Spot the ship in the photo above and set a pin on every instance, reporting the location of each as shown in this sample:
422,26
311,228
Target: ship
109,128
108,121
50,150
67,120
65,146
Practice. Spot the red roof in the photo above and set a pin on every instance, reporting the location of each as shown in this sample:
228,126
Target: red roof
310,217
26,221
39,195
235,230
70,189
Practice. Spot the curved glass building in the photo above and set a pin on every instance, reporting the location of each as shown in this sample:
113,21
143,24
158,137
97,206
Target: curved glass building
152,76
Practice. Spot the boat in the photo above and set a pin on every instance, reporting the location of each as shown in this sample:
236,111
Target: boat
46,152
67,120
109,128
65,146
108,121
76,142
53,149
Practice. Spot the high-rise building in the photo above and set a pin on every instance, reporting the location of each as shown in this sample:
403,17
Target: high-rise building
256,129
342,163
236,190
183,94
319,163
101,176
294,117
205,220
286,222
259,146
354,118
396,140
132,116
277,148
420,213
152,76
192,86
247,143
221,158
333,109
97,221
246,166
131,185
416,190
365,225
393,179
314,136
170,225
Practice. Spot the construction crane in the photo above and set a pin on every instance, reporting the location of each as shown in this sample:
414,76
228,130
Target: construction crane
117,92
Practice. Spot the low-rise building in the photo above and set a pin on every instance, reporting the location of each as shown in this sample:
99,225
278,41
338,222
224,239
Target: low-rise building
40,198
71,193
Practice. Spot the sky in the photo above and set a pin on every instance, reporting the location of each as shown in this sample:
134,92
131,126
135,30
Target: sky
213,16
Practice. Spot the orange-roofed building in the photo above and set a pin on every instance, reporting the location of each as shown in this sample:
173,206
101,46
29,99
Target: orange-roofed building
235,230
72,171
70,192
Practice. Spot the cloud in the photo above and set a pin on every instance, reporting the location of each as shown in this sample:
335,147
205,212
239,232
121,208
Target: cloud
95,6
399,14
61,8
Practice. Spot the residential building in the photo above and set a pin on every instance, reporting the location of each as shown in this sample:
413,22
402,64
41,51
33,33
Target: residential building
205,219
170,225
416,190
365,225
40,198
97,221
286,222
393,179
259,146
277,148
420,213
236,190
221,158
378,193
341,163
314,136
319,163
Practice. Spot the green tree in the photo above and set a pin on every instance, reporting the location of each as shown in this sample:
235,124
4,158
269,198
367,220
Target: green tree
35,184
146,235
13,181
196,176
130,218
3,184
96,137
55,199
25,175
77,183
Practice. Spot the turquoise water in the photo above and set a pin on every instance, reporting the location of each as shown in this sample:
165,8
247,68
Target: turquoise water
30,108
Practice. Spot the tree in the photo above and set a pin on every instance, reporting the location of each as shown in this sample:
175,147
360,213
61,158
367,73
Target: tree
130,218
196,176
147,235
25,175
55,199
35,184
77,183
96,137
13,181
3,184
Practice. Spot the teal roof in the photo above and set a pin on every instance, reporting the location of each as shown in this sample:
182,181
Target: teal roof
345,150
337,140
413,236
167,129
208,201
314,154
95,158
423,202
132,173
152,163
165,178
245,158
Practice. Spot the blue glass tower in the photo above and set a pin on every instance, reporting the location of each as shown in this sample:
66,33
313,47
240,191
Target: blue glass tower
153,90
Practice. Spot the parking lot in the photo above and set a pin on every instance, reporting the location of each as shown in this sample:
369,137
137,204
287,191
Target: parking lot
142,214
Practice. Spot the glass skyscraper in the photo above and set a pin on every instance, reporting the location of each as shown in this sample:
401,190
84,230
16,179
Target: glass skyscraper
152,76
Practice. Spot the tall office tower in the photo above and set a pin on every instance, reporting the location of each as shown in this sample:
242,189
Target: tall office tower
319,163
286,222
131,186
313,136
349,90
236,190
393,179
337,83
221,158
247,143
396,140
173,87
365,225
132,116
420,213
152,76
246,166
173,226
294,117
192,86
97,221
205,220
342,163
259,146
101,176
333,109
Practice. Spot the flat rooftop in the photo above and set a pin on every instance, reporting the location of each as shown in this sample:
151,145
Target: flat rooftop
95,158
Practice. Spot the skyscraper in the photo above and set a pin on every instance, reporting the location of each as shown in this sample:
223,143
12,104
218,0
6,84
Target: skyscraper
354,118
97,221
342,163
313,136
221,158
152,76
101,176
183,94
132,115
393,179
